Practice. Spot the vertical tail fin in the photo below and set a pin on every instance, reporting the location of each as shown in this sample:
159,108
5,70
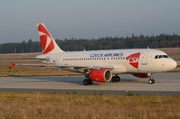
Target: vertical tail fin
48,44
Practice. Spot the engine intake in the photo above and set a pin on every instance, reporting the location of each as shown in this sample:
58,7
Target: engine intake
100,75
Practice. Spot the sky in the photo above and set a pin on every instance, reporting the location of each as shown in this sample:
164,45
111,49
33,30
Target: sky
87,19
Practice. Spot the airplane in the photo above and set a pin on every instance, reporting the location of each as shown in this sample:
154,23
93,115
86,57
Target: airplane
104,65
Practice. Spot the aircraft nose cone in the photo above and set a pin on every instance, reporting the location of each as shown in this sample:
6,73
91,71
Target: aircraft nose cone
173,64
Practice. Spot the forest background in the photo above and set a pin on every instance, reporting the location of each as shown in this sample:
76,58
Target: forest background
98,43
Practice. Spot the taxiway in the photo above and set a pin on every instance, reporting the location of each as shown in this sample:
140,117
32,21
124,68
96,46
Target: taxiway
166,84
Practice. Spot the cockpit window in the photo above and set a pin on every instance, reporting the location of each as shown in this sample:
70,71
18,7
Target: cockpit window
165,56
156,56
161,56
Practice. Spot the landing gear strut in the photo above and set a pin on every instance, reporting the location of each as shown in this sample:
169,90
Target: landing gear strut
87,81
115,78
151,81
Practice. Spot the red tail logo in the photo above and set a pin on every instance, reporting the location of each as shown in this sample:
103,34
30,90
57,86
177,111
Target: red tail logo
133,59
45,39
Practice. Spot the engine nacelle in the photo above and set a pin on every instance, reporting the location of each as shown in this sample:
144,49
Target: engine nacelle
141,75
100,75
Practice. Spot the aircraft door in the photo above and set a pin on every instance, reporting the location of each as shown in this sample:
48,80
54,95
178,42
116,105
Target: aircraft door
144,58
54,61
60,59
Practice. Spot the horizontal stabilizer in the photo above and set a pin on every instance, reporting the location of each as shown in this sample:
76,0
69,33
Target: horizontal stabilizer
31,65
13,64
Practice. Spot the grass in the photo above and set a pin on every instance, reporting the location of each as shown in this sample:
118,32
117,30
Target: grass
89,106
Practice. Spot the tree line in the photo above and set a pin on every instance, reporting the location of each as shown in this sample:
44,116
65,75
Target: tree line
73,44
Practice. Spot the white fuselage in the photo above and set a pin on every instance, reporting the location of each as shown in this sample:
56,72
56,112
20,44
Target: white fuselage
99,65
118,61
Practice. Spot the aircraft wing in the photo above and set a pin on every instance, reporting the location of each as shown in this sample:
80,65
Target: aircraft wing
75,67
78,68
92,67
84,68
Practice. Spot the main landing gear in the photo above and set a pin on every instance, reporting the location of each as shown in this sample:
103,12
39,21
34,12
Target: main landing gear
87,82
115,78
151,80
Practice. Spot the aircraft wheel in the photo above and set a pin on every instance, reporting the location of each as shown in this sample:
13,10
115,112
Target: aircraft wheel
118,79
113,79
90,82
85,82
151,81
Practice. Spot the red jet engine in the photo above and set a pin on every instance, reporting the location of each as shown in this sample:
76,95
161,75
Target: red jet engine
100,75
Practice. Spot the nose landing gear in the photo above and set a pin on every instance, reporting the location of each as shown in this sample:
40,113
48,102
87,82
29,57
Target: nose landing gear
151,81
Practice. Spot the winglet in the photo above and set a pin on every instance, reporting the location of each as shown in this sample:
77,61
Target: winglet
13,64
